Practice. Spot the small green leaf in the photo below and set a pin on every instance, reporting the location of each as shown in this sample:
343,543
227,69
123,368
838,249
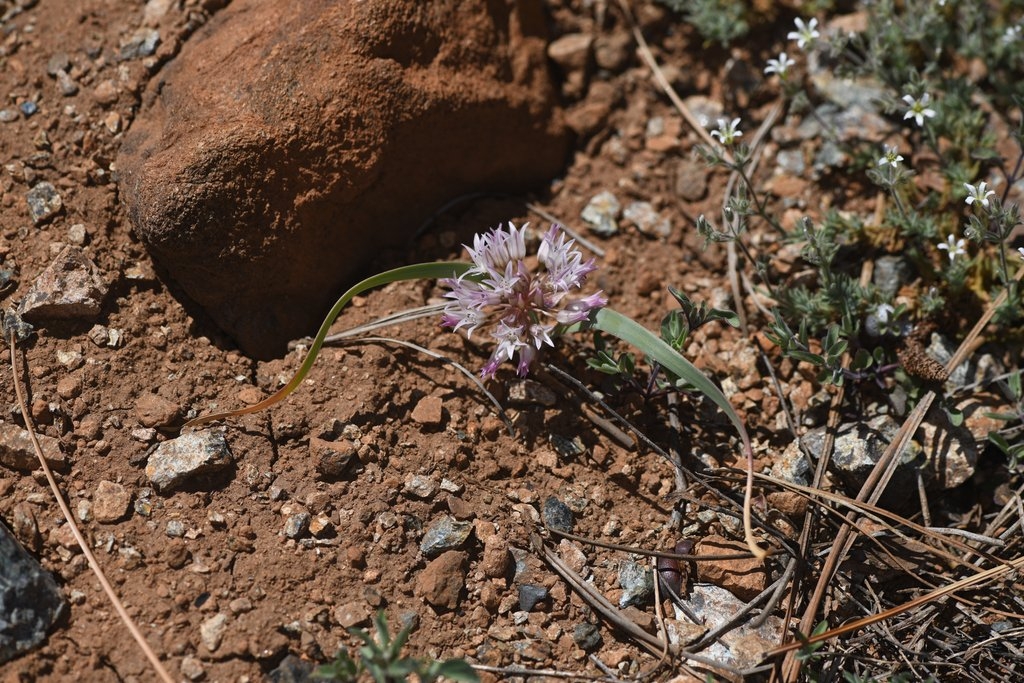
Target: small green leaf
458,670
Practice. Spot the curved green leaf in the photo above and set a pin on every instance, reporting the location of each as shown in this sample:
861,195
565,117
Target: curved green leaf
414,272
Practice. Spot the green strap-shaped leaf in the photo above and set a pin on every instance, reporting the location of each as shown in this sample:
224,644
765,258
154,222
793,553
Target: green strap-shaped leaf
628,330
414,272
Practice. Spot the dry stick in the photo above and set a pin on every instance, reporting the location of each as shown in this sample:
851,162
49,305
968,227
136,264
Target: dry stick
968,582
93,564
872,489
659,76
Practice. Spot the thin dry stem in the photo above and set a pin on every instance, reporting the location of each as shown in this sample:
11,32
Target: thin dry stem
79,538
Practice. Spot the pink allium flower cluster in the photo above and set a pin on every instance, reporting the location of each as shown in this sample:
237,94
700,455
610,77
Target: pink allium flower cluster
524,306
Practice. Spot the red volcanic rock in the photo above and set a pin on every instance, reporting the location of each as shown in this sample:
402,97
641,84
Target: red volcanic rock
289,142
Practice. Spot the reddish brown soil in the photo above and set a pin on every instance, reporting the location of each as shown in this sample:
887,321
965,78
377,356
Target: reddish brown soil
281,595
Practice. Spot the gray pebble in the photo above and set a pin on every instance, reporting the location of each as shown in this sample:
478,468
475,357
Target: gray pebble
530,594
66,84
44,202
8,115
177,461
601,214
445,533
557,515
587,637
647,220
637,584
29,594
175,528
58,62
28,108
143,43
297,524
420,486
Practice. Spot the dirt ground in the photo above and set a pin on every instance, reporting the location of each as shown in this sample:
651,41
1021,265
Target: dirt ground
226,545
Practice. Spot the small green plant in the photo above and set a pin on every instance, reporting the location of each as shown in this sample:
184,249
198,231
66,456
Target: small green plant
380,657
719,21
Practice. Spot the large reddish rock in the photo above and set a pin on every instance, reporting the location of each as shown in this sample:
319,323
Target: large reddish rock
289,142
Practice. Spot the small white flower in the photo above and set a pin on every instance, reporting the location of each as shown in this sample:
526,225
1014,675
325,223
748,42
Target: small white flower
892,157
979,194
1020,250
727,131
918,108
953,247
779,66
805,34
1011,35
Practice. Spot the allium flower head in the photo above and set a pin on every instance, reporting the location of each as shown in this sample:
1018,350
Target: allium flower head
805,34
979,194
525,306
918,109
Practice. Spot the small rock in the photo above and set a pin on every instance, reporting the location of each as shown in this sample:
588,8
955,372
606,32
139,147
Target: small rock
321,526
420,486
191,668
175,528
16,449
601,214
446,533
530,594
352,614
30,598
858,446
647,220
530,392
429,411
573,556
951,451
496,559
743,578
143,43
105,93
144,434
176,554
70,288
741,647
110,502
571,51
240,606
332,459
292,669
58,62
177,461
8,115
587,637
297,525
557,515
67,85
612,51
154,410
44,202
28,108
637,583
442,580
211,631
25,527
